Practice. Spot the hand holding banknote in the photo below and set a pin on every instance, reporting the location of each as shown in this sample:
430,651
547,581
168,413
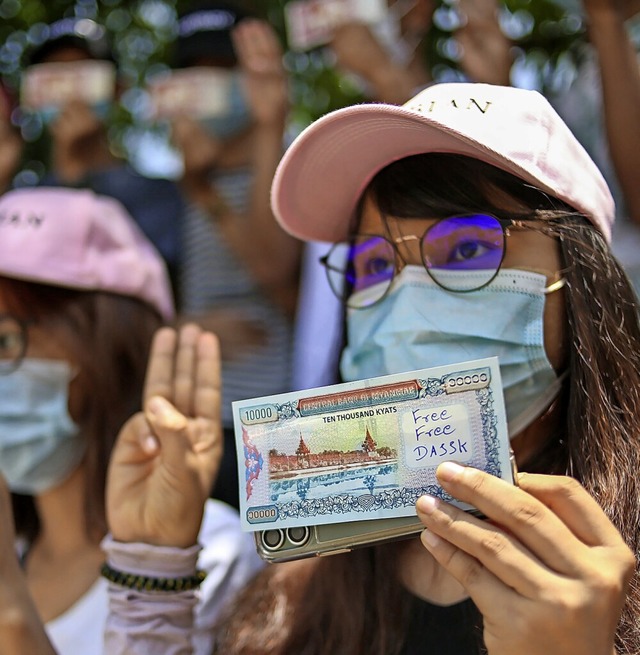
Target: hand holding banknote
549,571
166,458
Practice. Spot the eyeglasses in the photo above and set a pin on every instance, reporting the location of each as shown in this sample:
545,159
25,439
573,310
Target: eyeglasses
13,342
450,248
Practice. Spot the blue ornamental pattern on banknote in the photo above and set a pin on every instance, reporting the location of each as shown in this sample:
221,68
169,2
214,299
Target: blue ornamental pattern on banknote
288,411
431,387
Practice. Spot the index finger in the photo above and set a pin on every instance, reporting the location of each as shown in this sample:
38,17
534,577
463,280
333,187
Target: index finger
515,510
573,504
159,376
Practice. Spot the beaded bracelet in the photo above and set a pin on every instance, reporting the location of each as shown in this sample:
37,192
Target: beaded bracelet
146,583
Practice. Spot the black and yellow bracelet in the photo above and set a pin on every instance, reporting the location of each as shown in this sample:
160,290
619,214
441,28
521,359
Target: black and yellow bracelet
146,583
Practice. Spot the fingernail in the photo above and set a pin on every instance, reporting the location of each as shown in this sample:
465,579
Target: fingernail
426,504
430,539
449,471
150,444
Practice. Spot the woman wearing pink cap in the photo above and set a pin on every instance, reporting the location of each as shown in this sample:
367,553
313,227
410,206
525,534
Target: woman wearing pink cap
82,292
468,223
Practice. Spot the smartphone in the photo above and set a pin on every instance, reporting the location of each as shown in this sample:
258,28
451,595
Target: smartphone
286,544
283,545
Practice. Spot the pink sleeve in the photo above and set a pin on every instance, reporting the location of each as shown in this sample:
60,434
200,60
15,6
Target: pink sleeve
150,623
160,623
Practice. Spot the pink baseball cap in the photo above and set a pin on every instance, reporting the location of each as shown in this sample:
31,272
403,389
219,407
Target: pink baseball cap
74,238
328,166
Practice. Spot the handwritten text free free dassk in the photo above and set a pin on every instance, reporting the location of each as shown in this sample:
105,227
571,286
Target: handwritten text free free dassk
366,449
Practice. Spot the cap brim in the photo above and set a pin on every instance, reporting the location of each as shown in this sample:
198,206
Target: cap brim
323,174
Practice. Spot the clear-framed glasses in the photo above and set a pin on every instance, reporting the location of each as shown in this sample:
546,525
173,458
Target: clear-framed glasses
13,342
451,248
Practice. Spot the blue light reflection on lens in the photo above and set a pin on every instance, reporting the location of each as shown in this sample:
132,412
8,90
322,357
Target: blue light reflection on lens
371,261
473,243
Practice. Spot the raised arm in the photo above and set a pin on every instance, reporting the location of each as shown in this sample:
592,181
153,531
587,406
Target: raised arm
162,469
620,75
21,630
271,254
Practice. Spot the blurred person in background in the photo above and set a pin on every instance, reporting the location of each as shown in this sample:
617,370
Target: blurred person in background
81,155
82,292
393,65
239,272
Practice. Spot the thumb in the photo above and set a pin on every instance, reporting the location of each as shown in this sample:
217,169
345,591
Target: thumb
170,427
135,442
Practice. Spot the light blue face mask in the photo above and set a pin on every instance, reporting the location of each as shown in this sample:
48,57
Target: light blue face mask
50,113
419,325
236,119
40,445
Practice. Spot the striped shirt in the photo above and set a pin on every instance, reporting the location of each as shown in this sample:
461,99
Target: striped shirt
213,277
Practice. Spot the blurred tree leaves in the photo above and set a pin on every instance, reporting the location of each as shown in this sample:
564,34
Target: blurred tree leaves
545,32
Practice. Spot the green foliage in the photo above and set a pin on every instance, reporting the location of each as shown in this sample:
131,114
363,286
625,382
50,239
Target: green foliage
141,33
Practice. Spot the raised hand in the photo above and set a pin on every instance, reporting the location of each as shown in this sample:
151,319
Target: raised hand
486,51
358,51
548,570
260,59
166,458
200,149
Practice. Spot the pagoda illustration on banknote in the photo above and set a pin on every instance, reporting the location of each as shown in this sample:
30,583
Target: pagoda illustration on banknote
282,465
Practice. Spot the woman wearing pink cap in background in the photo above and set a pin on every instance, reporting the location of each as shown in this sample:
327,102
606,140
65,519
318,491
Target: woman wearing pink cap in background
469,222
82,292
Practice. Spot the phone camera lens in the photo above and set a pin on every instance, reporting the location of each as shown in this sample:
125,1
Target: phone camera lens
298,536
273,539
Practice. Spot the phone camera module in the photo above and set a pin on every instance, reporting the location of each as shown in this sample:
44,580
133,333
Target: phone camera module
298,536
273,539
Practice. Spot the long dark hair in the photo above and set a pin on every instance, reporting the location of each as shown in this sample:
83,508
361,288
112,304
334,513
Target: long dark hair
108,336
598,441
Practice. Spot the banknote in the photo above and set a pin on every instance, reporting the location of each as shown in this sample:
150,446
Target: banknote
367,449
310,23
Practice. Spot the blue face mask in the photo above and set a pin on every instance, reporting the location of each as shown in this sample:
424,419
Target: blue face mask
40,445
50,113
236,119
419,325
